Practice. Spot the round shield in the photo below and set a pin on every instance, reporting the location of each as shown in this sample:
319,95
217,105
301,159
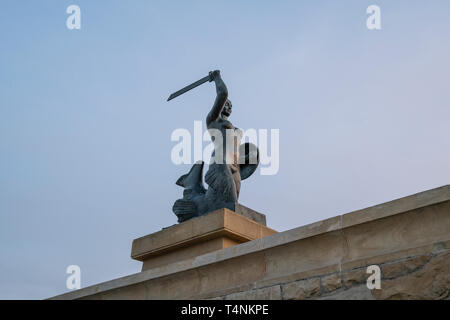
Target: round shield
248,159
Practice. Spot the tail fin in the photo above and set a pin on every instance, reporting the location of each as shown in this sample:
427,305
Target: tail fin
193,178
180,181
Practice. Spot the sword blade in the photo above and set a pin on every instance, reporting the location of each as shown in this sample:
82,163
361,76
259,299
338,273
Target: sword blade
189,87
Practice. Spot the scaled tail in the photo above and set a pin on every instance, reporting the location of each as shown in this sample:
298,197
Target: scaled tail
184,209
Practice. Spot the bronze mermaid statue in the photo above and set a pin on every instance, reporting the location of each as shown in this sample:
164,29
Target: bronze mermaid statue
230,163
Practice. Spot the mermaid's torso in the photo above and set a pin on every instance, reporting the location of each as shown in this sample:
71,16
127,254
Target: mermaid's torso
230,152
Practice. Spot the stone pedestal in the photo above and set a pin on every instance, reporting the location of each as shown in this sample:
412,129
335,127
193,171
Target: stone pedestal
214,231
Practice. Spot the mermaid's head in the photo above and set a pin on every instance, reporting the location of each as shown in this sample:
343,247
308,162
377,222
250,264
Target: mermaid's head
227,108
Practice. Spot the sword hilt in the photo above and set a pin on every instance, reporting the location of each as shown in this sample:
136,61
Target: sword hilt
213,74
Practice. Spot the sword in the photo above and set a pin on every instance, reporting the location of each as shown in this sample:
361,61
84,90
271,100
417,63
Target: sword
189,87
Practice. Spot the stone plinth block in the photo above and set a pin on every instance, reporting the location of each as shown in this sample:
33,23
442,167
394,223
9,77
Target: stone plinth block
217,230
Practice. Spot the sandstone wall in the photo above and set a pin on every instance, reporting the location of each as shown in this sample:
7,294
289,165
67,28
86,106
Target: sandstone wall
408,238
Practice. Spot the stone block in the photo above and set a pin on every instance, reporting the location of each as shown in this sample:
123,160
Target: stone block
301,290
430,282
403,267
331,282
214,231
354,277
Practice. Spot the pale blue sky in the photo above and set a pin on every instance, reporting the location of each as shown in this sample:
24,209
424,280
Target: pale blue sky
85,127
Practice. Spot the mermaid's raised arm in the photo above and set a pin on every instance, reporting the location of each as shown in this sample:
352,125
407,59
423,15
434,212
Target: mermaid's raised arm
221,98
